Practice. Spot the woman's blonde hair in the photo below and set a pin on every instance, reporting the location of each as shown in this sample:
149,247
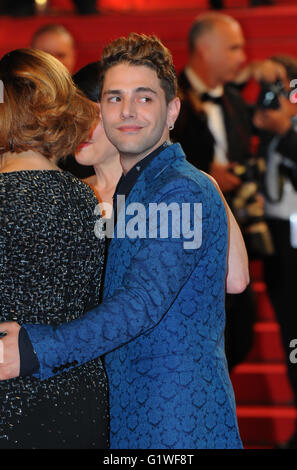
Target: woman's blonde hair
42,110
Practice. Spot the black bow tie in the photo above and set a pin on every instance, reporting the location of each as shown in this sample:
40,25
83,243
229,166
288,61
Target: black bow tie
213,99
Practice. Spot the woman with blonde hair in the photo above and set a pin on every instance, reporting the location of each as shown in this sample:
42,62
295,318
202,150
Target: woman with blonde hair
50,258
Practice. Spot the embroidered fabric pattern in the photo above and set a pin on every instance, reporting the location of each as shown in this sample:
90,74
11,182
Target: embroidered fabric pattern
50,269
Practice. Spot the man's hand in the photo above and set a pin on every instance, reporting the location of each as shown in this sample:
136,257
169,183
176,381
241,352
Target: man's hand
277,121
269,71
9,351
226,180
262,71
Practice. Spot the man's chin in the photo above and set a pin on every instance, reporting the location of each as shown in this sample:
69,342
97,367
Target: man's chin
129,153
130,150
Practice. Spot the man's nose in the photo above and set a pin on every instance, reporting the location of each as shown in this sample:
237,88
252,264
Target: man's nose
128,109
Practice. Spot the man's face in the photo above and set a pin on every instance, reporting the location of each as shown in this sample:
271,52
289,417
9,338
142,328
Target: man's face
134,110
223,50
59,45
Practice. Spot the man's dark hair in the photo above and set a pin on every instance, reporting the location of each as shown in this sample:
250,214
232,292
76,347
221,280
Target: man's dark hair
87,80
288,62
139,49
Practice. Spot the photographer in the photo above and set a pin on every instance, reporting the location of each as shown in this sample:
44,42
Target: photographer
278,121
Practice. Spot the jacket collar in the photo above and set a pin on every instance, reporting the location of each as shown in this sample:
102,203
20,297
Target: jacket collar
159,164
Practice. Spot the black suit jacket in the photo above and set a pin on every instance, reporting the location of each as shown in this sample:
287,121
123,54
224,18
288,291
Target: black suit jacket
191,128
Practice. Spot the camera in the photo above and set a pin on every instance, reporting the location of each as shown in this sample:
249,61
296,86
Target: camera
268,99
248,208
269,94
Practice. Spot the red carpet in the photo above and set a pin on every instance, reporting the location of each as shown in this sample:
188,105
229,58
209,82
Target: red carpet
266,415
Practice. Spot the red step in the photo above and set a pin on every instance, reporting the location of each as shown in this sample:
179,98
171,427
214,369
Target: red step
266,415
267,345
265,425
261,384
268,30
265,311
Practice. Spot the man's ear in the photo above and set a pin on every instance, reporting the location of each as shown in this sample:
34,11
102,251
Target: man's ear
203,49
100,115
173,111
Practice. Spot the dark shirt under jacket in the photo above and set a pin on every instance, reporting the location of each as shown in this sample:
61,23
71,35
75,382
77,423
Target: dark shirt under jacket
192,132
29,362
126,182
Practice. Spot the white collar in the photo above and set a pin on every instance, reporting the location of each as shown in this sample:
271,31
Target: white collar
199,86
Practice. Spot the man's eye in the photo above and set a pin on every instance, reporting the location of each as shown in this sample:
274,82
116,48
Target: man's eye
114,99
145,99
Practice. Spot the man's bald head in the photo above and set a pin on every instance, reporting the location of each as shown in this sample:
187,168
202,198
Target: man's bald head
207,23
216,45
56,40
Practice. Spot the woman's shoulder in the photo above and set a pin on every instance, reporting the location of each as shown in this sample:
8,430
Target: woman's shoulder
56,187
51,177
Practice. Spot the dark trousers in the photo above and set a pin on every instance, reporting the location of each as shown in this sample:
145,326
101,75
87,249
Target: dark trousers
281,279
240,319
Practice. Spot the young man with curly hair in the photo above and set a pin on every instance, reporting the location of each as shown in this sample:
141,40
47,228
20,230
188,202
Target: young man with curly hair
160,324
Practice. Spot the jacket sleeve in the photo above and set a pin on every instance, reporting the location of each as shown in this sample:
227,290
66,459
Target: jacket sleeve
156,274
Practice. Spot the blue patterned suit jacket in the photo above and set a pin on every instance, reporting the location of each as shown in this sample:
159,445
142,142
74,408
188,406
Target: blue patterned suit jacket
161,324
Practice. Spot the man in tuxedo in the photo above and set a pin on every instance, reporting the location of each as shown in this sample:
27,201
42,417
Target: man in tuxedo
161,321
214,129
213,113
